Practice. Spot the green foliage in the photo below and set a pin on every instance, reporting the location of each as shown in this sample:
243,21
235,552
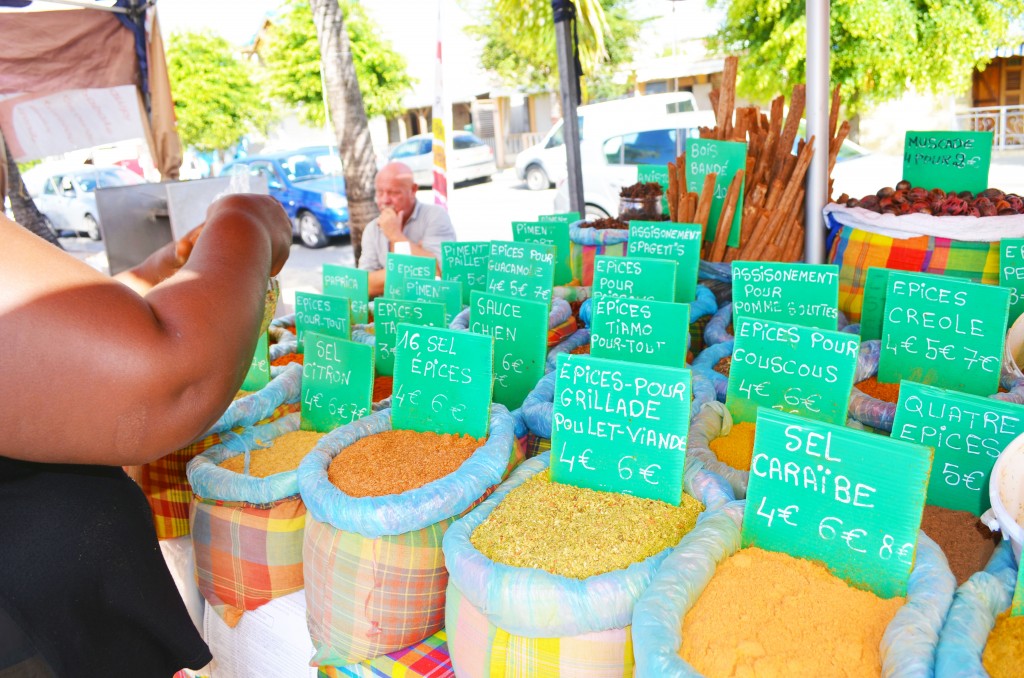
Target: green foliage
216,99
291,56
518,39
880,48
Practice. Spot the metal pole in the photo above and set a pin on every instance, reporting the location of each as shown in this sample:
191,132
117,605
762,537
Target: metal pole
817,126
570,95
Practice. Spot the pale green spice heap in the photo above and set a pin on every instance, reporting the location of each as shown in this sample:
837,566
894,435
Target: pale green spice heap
576,532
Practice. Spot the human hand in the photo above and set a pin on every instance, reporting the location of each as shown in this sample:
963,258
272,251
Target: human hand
390,223
265,213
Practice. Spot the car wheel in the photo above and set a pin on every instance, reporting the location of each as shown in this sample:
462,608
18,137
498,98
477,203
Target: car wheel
310,231
91,227
49,225
536,178
595,212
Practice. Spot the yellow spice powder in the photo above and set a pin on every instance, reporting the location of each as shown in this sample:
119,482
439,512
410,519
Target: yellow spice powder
767,614
1004,651
283,455
736,448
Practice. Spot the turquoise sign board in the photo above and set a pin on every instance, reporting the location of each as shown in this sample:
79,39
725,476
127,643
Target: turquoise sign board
800,370
967,433
944,332
443,381
801,294
387,313
337,382
400,267
876,283
323,314
445,292
657,174
953,161
1011,274
466,262
620,427
521,269
636,278
817,491
561,217
352,284
258,375
723,158
1017,606
554,233
676,242
639,331
520,331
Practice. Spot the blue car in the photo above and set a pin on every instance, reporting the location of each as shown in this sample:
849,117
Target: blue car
309,184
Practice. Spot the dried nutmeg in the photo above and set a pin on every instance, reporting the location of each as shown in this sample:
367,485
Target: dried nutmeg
965,195
985,207
921,207
886,202
885,192
1016,202
992,194
972,212
853,202
1007,212
903,185
917,194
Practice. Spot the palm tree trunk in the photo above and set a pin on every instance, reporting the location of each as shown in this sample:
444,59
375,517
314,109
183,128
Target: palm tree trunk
25,211
345,103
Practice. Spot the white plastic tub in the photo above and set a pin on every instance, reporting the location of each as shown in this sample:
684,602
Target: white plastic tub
1006,492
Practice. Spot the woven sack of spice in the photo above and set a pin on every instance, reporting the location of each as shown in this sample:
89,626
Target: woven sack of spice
164,481
246,530
503,620
585,243
705,363
977,603
282,329
907,647
574,341
375,574
561,322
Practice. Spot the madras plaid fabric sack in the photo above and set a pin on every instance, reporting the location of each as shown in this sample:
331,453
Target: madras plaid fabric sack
426,659
164,481
374,570
246,531
585,243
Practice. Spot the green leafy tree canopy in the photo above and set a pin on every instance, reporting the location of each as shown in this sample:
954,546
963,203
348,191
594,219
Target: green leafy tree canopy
291,56
879,48
216,99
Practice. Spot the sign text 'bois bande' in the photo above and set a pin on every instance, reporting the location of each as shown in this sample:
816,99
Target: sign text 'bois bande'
337,382
802,294
944,332
620,427
817,491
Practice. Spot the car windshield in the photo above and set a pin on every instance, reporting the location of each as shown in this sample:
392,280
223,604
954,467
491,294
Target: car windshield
107,178
306,166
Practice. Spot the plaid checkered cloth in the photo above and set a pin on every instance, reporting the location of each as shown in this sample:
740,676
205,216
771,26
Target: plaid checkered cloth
536,445
560,332
585,243
247,555
427,659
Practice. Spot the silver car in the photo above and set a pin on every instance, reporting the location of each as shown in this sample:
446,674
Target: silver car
67,198
472,158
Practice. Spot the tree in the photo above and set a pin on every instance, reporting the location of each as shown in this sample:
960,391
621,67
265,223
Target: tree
291,57
24,207
348,116
879,48
216,99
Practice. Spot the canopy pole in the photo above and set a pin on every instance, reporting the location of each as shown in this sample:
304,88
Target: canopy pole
817,126
564,15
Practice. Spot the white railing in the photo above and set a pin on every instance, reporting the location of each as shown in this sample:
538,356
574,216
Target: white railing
1005,122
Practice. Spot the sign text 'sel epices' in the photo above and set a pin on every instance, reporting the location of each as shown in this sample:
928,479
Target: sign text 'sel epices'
466,262
554,233
802,294
521,269
258,375
448,293
676,242
520,330
723,158
817,491
323,314
387,313
620,427
1011,274
337,382
636,278
352,284
953,161
443,381
400,267
944,332
639,331
876,283
799,370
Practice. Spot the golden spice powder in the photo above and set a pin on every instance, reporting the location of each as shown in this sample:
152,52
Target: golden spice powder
283,455
737,448
1004,652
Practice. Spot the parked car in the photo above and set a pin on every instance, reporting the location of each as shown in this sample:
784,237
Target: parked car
66,195
471,158
309,184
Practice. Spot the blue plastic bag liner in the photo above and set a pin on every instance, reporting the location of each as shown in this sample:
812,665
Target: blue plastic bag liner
210,481
908,645
704,305
285,387
977,603
560,312
715,332
714,270
587,312
534,603
877,414
519,428
707,359
277,330
283,348
363,334
713,421
578,338
413,510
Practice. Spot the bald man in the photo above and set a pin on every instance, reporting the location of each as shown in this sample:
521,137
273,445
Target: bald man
403,219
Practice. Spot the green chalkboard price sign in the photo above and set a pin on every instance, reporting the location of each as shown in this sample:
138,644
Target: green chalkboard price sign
323,314
953,161
445,292
802,294
443,381
258,375
639,331
636,278
387,313
466,262
944,332
876,283
520,330
676,242
967,433
657,174
1011,274
521,269
723,158
620,427
352,284
337,382
400,267
561,217
1017,606
800,370
554,233
817,491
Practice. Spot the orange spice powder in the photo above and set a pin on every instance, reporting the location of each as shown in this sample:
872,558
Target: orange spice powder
1004,651
737,448
890,393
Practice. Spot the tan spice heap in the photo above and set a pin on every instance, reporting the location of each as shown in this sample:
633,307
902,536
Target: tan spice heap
575,532
283,455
